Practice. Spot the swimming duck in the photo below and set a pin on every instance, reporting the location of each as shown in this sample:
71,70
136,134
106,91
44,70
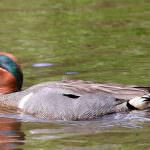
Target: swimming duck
65,100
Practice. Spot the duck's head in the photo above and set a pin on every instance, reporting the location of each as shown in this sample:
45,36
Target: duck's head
11,76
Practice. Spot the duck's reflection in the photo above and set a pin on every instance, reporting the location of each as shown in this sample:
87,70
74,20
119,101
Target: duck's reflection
11,136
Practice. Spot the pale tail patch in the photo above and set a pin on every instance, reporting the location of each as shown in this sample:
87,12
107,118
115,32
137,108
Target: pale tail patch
140,102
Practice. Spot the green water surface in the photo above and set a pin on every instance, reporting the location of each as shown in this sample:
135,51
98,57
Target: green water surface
97,40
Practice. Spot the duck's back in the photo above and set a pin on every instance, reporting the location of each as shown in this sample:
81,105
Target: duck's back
79,87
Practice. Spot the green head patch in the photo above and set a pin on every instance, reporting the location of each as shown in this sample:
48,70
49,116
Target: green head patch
12,67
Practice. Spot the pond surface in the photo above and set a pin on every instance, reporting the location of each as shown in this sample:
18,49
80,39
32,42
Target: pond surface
99,40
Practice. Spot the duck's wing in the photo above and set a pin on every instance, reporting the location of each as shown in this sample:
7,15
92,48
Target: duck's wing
146,88
80,87
122,92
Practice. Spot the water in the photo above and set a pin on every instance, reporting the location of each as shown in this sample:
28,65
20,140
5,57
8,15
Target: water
117,131
98,40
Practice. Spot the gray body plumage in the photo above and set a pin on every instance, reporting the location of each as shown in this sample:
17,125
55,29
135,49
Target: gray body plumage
71,100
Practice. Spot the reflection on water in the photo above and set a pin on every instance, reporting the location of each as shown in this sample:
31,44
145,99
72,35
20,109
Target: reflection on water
42,65
11,135
110,131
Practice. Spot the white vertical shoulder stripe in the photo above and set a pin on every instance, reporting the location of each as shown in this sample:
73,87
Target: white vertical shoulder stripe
24,100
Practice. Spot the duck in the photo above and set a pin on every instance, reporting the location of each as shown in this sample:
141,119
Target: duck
66,99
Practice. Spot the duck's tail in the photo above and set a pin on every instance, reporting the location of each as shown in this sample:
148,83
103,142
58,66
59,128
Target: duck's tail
140,103
144,88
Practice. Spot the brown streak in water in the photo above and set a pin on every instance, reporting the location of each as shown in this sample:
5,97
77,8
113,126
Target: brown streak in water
10,133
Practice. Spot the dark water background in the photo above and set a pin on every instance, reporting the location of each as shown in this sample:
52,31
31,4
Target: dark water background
97,40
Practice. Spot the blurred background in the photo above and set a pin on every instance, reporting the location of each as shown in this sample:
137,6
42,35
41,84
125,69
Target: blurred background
98,40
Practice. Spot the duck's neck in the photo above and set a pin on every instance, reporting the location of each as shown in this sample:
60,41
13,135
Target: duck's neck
7,82
11,100
6,90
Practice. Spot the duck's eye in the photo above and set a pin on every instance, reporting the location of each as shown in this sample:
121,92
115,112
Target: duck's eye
71,96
